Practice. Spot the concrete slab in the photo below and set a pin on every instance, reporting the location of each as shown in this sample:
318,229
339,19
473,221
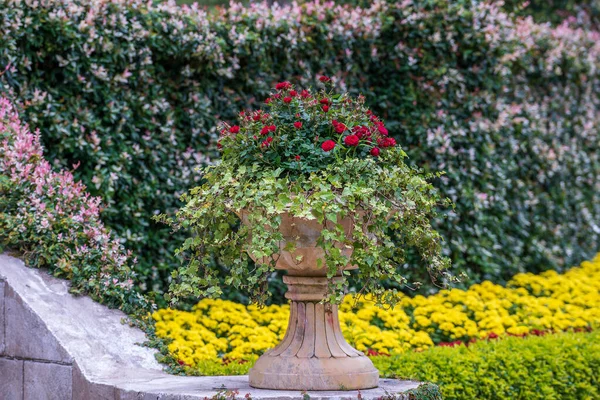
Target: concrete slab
20,318
200,388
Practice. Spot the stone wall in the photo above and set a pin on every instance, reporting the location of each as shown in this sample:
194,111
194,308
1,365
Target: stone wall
59,347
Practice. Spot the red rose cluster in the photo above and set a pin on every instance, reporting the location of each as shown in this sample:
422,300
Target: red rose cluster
353,128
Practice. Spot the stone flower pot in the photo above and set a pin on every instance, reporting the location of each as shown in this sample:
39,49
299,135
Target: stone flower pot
313,355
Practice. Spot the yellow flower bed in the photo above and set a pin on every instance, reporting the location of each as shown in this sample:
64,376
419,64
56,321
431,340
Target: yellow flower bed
545,302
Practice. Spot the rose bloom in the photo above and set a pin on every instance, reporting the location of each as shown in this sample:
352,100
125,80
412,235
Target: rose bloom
234,129
351,140
324,78
325,108
328,145
386,142
297,124
283,85
293,93
375,151
382,129
304,94
340,128
287,100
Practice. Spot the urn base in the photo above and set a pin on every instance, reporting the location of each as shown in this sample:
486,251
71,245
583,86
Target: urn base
313,355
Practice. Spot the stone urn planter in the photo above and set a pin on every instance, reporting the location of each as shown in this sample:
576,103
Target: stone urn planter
313,354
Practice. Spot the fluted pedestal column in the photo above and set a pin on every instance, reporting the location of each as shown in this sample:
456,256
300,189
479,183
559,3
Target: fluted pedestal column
313,355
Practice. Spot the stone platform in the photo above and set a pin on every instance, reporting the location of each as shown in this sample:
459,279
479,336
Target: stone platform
56,346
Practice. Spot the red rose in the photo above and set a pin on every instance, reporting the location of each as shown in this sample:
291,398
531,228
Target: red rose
265,130
340,128
283,85
328,145
375,151
287,100
386,142
351,140
234,129
324,101
276,95
325,108
297,124
297,158
304,94
272,128
293,93
266,142
382,129
267,100
324,78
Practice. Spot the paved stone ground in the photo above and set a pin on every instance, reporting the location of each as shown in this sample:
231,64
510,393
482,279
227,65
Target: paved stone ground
56,346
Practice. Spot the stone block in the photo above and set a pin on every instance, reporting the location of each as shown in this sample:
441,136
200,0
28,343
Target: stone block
83,389
2,345
26,334
47,381
11,379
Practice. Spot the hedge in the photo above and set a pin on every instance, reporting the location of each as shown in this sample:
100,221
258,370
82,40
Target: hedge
561,367
507,107
49,219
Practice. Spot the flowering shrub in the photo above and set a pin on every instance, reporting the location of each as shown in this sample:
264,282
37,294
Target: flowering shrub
323,157
508,108
54,223
529,305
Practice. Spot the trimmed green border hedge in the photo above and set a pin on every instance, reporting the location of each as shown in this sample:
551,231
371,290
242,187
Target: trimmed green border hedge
560,366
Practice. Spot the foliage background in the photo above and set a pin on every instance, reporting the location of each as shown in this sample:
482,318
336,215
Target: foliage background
508,107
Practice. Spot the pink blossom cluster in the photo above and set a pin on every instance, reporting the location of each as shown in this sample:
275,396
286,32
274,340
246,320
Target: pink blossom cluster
52,220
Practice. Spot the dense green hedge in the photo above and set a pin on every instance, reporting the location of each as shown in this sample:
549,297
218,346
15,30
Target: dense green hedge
561,367
509,109
556,11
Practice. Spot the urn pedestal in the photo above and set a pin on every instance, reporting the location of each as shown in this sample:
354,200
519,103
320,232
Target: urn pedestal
313,354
